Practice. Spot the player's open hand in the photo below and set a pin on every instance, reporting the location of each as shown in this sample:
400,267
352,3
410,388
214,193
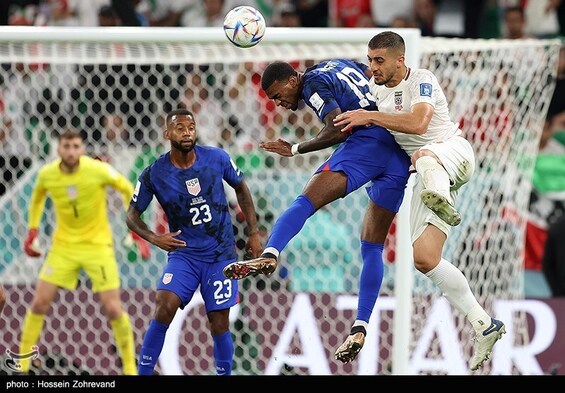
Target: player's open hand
348,120
280,146
168,241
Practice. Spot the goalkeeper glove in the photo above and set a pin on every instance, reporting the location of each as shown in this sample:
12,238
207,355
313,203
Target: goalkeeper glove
140,243
31,244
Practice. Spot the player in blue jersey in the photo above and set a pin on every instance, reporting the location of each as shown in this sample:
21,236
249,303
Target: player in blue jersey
188,183
368,155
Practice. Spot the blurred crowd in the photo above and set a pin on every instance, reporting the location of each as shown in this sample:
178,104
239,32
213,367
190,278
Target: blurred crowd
463,18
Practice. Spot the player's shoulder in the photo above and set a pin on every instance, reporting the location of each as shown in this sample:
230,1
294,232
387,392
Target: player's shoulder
421,74
90,164
211,151
50,168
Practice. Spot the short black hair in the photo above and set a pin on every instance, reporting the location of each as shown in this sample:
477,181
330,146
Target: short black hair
176,112
388,40
276,72
107,11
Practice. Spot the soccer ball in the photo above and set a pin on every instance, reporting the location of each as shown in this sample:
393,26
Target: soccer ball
244,26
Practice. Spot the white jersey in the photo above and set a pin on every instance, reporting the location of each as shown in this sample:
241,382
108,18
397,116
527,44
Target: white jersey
419,85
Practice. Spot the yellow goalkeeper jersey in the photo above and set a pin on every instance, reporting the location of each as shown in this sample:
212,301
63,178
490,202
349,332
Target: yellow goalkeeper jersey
79,199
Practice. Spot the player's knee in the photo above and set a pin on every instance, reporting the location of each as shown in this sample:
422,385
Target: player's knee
40,306
424,263
423,153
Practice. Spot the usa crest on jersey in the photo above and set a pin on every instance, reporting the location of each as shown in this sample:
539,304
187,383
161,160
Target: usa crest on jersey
193,186
72,192
167,277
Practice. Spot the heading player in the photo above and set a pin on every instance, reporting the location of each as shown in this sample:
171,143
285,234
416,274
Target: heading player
369,155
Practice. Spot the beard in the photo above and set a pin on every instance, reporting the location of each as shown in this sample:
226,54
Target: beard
182,148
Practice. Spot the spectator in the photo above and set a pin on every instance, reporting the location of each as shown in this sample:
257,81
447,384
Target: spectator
541,18
107,16
211,14
425,15
349,13
386,11
514,23
313,13
288,16
402,21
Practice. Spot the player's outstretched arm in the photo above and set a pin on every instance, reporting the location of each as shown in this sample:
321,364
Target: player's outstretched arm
414,122
166,241
245,200
328,136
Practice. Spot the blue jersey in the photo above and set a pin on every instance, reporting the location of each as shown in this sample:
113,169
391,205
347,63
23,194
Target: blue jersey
194,201
335,84
369,154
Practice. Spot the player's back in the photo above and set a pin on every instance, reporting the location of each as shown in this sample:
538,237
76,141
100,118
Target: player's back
343,84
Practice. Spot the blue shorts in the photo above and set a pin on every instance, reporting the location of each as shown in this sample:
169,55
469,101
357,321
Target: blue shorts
372,155
183,275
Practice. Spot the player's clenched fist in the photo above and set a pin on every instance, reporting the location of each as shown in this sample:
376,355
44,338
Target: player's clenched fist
31,244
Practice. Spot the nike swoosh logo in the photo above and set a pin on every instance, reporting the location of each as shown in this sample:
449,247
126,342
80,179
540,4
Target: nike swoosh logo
145,363
222,301
490,329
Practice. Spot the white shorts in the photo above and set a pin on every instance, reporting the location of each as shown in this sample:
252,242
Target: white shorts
458,159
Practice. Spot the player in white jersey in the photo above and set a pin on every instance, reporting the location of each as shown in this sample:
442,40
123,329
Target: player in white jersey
413,107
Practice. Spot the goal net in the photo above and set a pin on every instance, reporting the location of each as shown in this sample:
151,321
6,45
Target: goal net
115,86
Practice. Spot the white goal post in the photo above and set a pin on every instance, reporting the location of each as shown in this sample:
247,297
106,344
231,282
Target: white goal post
115,85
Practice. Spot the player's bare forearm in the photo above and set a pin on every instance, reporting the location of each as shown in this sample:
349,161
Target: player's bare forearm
136,224
328,136
245,201
414,122
165,241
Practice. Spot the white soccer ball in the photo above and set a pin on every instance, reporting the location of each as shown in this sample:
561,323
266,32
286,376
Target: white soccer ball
244,26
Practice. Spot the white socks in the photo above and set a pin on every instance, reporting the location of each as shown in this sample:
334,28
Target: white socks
434,175
271,250
456,290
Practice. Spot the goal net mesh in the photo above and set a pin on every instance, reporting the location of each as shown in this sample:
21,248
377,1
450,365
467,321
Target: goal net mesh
117,94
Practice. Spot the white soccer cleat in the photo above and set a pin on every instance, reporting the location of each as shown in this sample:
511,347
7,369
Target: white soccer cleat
485,342
441,206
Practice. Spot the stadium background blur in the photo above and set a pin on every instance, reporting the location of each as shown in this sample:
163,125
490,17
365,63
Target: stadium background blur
116,121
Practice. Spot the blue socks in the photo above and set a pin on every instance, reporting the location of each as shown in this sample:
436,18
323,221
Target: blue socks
155,338
151,348
223,353
371,278
290,222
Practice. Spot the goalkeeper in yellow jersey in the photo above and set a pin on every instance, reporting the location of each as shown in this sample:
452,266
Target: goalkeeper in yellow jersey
82,240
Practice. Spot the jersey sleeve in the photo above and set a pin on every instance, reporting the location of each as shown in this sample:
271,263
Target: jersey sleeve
119,182
143,191
318,95
423,88
37,202
232,174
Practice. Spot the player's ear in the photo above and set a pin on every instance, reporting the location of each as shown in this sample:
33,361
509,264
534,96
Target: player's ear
166,134
293,80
